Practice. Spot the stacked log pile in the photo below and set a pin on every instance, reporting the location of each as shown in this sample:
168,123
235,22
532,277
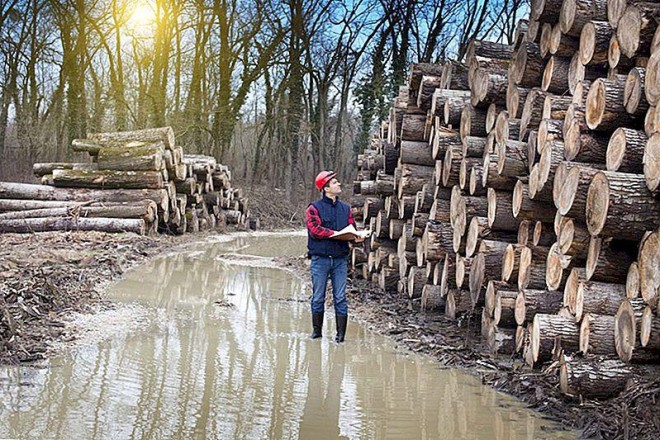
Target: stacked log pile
524,189
137,181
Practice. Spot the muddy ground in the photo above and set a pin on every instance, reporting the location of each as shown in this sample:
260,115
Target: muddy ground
44,276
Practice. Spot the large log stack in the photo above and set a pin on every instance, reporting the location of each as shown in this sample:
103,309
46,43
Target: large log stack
525,190
137,181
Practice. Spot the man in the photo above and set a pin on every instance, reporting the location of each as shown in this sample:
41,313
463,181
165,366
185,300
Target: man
329,256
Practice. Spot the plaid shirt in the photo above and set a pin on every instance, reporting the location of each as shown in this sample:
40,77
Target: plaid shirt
315,225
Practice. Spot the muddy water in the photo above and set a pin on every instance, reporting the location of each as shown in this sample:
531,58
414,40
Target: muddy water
212,344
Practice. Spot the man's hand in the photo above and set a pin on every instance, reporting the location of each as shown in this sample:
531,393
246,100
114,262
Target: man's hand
358,239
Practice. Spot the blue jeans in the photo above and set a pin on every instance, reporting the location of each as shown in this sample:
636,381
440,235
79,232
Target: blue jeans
335,269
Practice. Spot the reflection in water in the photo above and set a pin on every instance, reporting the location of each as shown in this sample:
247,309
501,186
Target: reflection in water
224,356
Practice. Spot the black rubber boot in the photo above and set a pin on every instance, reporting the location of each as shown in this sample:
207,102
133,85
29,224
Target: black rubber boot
317,325
341,328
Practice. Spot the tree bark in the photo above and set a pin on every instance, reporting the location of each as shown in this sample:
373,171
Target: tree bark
487,265
532,111
164,134
620,205
634,98
530,302
111,225
524,208
417,153
107,179
605,110
595,42
625,151
575,14
555,75
432,299
598,298
547,330
636,28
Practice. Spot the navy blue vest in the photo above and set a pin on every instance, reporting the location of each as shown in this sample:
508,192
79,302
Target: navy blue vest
333,216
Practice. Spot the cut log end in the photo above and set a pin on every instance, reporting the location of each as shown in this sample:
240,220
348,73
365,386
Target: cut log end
598,197
652,162
625,331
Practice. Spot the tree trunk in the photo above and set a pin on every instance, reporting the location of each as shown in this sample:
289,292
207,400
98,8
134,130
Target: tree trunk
625,151
597,335
634,99
575,14
463,267
453,108
427,88
164,134
108,179
413,178
532,268
620,205
651,161
432,299
555,75
473,122
626,330
145,210
648,262
595,42
479,230
532,111
515,99
487,265
598,298
605,110
606,262
545,10
524,208
530,302
636,28
547,330
417,153
31,225
500,211
458,303
444,140
527,65
412,127
594,378
571,201
42,169
574,239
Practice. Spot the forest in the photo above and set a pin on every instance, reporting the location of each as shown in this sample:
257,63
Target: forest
276,89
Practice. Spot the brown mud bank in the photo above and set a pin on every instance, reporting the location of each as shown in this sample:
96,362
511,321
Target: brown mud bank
44,276
634,414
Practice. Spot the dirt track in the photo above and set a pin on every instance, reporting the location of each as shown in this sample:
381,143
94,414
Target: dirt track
44,276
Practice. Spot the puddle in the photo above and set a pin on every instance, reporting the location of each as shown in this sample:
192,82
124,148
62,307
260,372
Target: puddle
212,351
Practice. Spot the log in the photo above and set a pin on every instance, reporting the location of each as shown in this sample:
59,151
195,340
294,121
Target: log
634,99
649,334
620,205
595,42
512,159
440,210
651,121
527,65
24,191
448,275
42,169
491,116
532,111
164,134
473,122
626,325
388,279
548,330
489,88
571,200
500,211
427,87
597,335
453,108
455,76
146,210
561,44
416,281
625,151
436,242
458,303
594,378
506,128
463,267
532,268
487,265
419,70
555,107
555,274
607,262
492,290
412,127
575,14
530,302
580,145
444,140
605,109
504,311
544,234
501,340
491,179
636,27
432,300
555,75
651,160
524,208
632,281
545,10
451,167
515,99
111,225
648,262
573,239
651,87
576,276
145,158
551,156
413,178
107,179
479,230
598,298
476,146
549,130
417,153
616,59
